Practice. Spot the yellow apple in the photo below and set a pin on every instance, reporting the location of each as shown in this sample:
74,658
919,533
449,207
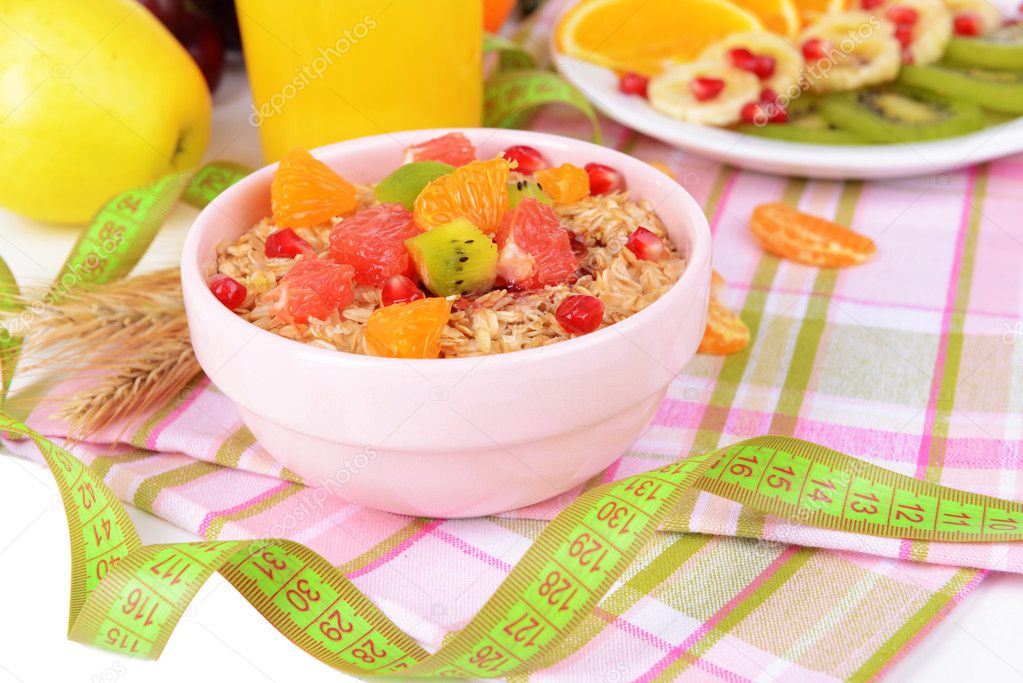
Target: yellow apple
96,97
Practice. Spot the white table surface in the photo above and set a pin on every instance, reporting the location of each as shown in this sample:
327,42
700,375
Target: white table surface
221,637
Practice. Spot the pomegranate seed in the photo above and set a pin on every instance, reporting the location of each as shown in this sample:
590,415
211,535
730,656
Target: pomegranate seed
604,179
907,56
901,15
764,66
399,289
530,160
633,84
872,4
645,245
704,89
228,291
777,113
286,244
967,24
816,49
742,58
580,313
768,95
904,34
755,113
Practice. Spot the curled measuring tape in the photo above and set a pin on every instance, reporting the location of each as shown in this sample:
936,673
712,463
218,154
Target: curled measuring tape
127,597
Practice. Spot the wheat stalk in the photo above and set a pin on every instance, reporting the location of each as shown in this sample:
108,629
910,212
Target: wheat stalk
132,334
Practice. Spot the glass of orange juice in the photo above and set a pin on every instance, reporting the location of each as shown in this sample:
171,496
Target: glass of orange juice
329,70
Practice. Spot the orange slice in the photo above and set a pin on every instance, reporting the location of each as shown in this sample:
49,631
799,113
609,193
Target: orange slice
409,330
791,234
812,10
640,35
726,333
565,184
477,192
306,193
777,16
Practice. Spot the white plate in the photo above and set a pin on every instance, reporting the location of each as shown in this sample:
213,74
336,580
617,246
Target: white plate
600,85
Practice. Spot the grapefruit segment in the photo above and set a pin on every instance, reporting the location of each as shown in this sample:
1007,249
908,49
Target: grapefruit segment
313,288
373,243
534,250
453,148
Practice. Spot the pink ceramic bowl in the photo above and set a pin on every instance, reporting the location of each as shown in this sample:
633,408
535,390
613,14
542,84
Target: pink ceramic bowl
454,437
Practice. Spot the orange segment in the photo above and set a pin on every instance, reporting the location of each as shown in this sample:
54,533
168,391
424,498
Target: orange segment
778,16
565,184
477,192
791,234
306,193
639,35
409,330
726,333
812,10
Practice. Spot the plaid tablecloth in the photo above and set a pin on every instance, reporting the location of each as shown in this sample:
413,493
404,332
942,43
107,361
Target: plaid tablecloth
913,361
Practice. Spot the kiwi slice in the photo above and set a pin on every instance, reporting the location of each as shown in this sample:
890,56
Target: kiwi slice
1001,49
454,258
1000,91
407,181
893,114
519,190
805,124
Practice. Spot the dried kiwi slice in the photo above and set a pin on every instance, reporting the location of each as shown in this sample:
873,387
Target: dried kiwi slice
520,189
1000,49
995,90
893,114
408,180
805,124
455,258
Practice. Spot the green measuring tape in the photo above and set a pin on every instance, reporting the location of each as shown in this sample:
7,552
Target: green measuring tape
518,88
127,598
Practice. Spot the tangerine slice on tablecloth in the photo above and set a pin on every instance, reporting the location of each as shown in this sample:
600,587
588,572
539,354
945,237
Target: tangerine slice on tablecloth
305,192
565,184
725,334
410,330
791,234
640,35
477,192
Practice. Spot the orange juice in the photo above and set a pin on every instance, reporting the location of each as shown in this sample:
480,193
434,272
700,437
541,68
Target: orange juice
329,70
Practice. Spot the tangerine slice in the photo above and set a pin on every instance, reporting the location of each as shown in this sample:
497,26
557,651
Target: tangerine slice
812,10
565,184
725,334
477,192
791,234
777,16
306,192
640,35
409,330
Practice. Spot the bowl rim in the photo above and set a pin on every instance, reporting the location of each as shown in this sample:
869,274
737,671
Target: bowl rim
229,323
